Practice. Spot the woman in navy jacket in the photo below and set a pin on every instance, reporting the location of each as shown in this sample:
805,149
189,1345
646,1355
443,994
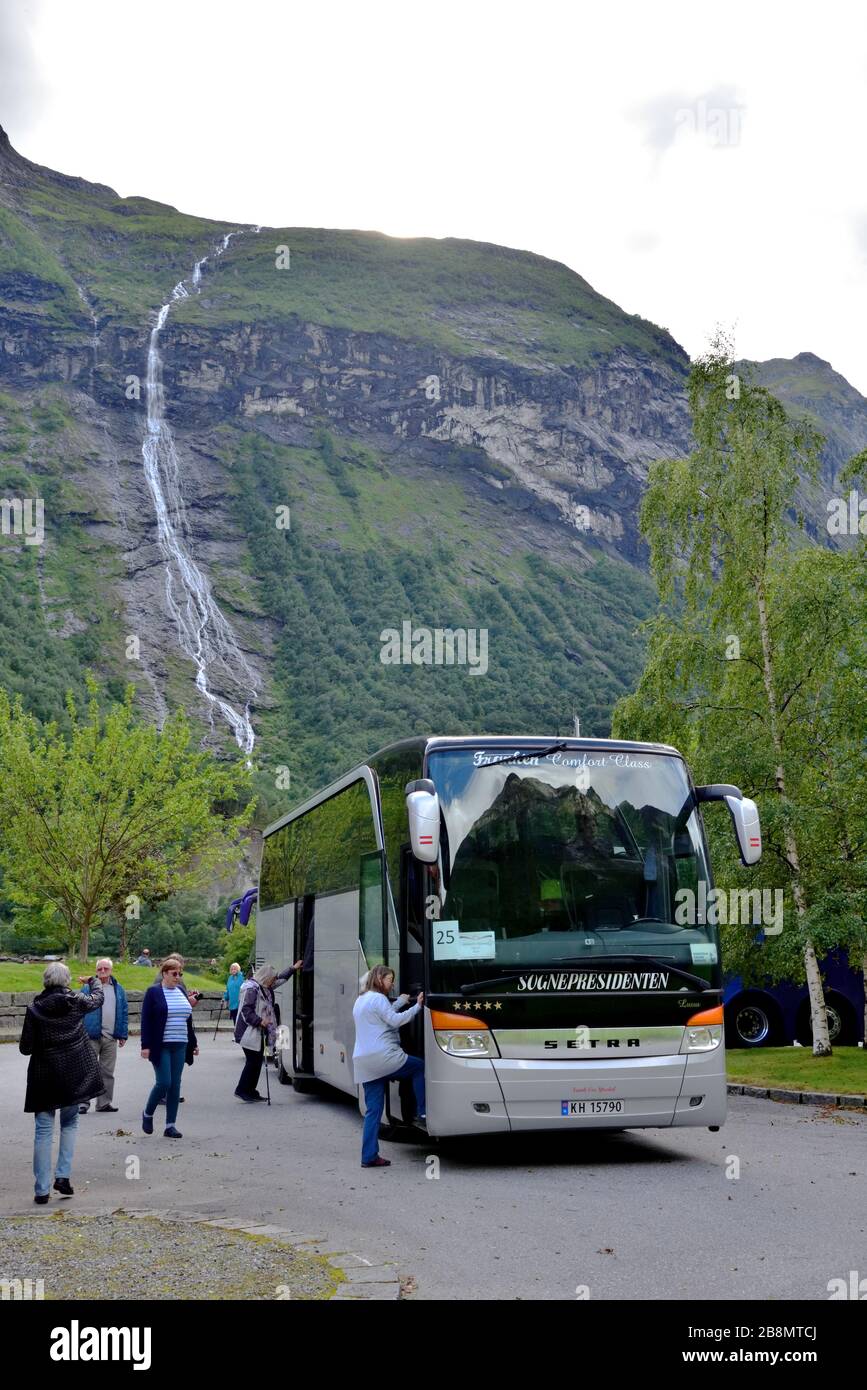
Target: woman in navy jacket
167,1042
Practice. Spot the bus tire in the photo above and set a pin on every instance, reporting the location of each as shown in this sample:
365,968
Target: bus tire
842,1031
283,1075
752,1020
305,1085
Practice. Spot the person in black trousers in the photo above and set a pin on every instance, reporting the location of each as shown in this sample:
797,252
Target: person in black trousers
257,1019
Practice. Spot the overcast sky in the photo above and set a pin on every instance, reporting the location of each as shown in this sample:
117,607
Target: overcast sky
699,164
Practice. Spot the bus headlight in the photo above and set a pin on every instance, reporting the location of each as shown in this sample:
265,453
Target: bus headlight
460,1042
701,1039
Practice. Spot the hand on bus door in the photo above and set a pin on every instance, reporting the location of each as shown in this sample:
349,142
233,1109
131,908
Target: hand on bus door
298,964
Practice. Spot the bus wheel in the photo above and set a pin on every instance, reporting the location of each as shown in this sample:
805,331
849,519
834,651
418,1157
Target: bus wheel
841,1022
751,1022
282,1074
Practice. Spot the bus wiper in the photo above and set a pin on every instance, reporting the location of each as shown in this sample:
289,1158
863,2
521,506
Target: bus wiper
682,974
532,753
487,984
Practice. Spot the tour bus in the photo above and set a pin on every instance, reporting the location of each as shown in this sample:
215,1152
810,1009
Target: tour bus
769,1013
527,885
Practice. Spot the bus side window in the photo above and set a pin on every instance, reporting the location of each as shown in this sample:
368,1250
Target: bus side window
371,909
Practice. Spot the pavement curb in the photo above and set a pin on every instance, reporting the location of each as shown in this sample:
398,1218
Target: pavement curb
843,1102
362,1280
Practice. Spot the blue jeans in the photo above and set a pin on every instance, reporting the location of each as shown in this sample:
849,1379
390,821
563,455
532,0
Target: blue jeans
167,1080
42,1143
374,1103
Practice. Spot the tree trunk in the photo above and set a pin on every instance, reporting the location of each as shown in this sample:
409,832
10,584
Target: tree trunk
84,941
864,973
818,1015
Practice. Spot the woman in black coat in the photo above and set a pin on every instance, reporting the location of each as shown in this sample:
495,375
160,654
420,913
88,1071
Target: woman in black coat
63,1072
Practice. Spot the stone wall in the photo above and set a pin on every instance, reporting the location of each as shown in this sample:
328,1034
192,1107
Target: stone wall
13,1007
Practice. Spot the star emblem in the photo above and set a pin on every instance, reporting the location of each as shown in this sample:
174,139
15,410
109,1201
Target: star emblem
477,1007
488,1004
456,1005
468,1006
498,1005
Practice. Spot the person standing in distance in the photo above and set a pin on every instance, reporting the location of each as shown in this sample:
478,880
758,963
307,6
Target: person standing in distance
108,1029
378,1056
233,989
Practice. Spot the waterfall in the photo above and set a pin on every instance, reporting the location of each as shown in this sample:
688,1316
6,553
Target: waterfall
95,338
204,634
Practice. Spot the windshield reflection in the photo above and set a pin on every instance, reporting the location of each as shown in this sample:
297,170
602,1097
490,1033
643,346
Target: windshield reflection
576,854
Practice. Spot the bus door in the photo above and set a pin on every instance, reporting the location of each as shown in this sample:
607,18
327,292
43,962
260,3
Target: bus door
302,998
410,976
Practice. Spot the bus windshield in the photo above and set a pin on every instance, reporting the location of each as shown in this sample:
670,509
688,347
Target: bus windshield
555,860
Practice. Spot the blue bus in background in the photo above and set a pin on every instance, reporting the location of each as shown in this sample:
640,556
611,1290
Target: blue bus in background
766,1015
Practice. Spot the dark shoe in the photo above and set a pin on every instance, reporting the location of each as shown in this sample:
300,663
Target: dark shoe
42,1198
378,1163
248,1096
106,1110
147,1122
171,1133
83,1109
64,1187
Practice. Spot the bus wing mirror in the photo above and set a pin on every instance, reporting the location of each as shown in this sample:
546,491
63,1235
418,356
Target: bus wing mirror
745,815
423,809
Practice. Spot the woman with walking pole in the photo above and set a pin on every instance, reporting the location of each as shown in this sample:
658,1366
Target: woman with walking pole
257,1019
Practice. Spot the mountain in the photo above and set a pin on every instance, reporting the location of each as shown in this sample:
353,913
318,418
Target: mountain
260,449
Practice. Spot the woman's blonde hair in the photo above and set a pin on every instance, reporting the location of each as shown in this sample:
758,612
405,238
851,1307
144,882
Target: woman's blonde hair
169,963
376,979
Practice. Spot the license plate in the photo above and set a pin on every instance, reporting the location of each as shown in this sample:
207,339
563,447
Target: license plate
591,1107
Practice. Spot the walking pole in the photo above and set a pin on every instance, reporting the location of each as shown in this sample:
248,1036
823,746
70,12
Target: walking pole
267,1082
217,1024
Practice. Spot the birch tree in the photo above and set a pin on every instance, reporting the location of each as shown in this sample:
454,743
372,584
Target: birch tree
750,654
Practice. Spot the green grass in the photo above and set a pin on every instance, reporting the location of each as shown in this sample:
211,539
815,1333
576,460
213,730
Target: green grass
463,297
796,1069
25,977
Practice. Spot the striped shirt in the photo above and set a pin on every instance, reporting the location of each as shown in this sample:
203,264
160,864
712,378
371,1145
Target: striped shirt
179,1010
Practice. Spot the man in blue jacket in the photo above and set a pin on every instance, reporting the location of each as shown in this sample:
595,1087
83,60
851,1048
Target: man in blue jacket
107,1029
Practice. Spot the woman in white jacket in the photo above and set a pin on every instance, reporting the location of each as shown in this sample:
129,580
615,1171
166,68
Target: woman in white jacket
378,1056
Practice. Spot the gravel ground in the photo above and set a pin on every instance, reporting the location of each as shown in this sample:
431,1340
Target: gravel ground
125,1257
